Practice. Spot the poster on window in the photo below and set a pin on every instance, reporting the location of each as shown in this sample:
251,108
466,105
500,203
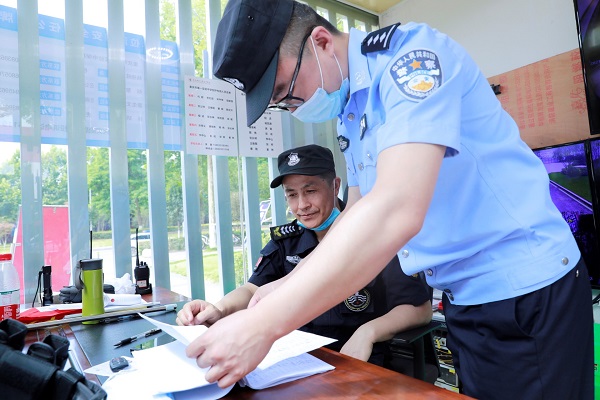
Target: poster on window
53,104
135,109
9,76
95,64
264,138
210,117
171,105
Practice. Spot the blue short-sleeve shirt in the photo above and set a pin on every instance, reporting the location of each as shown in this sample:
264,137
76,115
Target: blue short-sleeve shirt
491,231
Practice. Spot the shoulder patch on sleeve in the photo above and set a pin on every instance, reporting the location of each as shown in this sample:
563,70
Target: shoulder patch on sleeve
285,231
417,74
378,40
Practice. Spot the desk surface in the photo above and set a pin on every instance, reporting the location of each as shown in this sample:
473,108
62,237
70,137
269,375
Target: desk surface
351,378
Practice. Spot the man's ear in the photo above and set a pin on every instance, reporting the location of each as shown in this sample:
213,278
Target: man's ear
323,39
336,185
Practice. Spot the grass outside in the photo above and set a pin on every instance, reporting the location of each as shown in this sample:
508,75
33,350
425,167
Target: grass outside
211,267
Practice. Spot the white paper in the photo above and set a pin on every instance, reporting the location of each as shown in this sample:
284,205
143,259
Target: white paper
185,334
210,117
284,371
293,344
159,371
167,369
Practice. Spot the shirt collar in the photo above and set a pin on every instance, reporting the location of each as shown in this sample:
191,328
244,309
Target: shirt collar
358,68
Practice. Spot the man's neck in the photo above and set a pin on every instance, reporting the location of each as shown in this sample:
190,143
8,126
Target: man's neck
321,234
341,51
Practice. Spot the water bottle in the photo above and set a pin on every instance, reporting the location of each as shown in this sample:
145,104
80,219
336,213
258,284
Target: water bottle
90,280
9,288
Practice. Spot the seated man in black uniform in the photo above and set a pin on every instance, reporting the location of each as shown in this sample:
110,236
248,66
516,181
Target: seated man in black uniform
391,303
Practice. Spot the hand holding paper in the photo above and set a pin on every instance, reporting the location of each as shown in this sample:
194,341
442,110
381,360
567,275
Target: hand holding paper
167,369
231,357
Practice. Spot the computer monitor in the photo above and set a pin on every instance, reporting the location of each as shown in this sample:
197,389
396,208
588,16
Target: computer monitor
587,16
573,193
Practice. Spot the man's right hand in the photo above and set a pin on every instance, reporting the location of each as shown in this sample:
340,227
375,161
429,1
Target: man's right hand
198,312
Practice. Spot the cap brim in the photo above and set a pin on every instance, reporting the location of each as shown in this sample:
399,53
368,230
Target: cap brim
277,181
258,98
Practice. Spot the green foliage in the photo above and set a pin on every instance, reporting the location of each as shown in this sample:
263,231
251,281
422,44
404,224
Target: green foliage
168,30
99,187
10,188
238,263
138,187
54,176
174,188
176,244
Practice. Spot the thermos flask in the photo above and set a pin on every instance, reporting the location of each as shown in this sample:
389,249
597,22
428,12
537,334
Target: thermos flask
90,279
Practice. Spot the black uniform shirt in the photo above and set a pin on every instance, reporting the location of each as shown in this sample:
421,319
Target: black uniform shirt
291,243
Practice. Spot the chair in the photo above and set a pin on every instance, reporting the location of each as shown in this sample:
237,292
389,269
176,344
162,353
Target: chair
413,352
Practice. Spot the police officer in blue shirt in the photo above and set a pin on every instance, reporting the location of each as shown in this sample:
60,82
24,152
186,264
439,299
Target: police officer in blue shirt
390,303
439,175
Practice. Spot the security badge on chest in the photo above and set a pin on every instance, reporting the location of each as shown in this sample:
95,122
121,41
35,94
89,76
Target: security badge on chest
359,301
344,142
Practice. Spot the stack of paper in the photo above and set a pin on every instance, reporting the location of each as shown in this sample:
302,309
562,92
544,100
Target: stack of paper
167,371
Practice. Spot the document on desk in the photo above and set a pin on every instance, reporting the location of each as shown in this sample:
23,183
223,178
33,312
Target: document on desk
167,369
291,345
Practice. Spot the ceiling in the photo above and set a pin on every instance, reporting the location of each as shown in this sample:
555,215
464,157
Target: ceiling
375,6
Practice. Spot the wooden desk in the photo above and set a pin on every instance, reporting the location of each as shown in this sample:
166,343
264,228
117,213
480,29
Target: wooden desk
351,378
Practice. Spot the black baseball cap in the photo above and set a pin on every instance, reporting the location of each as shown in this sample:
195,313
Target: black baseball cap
246,49
306,160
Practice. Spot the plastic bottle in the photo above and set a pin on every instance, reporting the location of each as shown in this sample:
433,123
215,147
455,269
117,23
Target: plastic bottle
9,288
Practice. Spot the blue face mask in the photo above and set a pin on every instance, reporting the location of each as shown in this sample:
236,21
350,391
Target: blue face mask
326,224
323,106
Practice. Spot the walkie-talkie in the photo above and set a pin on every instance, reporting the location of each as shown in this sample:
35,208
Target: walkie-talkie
141,271
46,285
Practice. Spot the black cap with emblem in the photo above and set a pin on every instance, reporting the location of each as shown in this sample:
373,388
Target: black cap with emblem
246,48
306,160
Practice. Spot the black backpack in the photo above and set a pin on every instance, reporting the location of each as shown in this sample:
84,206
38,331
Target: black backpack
40,373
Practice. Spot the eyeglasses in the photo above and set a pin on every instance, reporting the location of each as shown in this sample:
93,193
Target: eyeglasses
290,101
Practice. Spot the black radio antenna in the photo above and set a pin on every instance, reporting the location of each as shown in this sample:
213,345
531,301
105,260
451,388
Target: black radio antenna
90,243
137,249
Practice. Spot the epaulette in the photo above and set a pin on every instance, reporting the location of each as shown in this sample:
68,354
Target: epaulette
285,231
378,40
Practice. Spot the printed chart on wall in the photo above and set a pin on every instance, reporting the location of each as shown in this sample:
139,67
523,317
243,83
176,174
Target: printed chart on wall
210,117
264,137
216,121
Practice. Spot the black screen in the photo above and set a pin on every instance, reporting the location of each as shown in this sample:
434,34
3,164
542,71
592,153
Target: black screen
588,24
571,189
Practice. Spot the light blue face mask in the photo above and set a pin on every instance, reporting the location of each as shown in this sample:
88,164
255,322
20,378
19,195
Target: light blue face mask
326,224
323,106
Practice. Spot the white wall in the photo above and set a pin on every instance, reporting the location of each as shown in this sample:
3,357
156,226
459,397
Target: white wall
499,35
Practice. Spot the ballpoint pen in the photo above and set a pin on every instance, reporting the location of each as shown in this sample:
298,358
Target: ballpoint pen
139,336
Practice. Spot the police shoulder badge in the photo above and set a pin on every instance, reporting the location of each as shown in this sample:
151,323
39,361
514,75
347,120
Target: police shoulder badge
359,301
417,74
285,231
378,40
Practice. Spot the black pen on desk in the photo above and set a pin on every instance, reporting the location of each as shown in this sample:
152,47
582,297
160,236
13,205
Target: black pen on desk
136,337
